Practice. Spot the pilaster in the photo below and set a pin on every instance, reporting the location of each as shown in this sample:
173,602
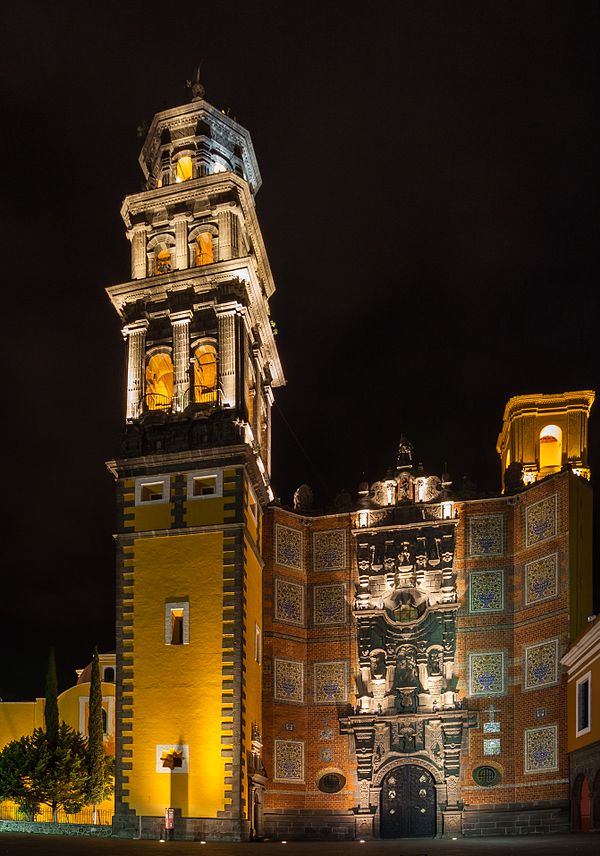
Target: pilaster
181,359
228,235
227,324
137,236
181,244
136,340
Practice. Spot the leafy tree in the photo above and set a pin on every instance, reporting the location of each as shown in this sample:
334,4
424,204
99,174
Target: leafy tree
57,766
100,767
35,770
51,706
17,769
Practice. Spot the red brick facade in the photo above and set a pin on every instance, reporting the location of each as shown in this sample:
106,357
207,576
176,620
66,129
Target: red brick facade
522,578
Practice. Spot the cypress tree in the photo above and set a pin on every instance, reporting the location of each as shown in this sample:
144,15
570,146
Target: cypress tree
96,755
51,706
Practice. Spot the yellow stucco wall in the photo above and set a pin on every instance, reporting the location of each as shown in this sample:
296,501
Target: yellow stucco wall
20,718
177,688
574,742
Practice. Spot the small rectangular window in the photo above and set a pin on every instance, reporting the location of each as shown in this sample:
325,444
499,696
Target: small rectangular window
177,627
152,490
583,704
204,484
177,623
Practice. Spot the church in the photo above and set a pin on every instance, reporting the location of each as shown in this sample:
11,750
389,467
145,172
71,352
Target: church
391,669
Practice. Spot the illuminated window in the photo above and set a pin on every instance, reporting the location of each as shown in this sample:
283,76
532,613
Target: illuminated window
151,490
163,261
205,374
550,447
177,627
203,249
204,484
185,169
583,701
159,382
177,623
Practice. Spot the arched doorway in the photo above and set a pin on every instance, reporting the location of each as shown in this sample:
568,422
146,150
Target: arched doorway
407,803
580,804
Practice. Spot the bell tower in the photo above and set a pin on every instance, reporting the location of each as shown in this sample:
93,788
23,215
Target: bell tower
192,480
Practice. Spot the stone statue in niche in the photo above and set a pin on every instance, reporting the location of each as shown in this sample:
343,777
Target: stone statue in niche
378,665
404,488
404,554
434,663
406,667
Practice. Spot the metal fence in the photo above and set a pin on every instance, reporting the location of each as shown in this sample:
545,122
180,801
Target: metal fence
9,811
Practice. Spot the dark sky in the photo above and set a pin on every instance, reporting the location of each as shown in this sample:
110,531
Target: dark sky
429,207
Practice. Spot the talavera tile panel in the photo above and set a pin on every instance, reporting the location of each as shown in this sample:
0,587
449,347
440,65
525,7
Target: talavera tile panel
289,547
289,761
486,535
540,521
330,550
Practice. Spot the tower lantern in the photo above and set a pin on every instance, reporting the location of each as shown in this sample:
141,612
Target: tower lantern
192,479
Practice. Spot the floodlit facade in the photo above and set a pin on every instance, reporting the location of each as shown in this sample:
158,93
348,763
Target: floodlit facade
389,670
20,718
192,483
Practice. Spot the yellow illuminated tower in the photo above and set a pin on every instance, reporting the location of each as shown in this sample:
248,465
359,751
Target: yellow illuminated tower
192,481
541,434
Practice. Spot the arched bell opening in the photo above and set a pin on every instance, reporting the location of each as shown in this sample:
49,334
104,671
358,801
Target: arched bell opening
550,448
159,381
205,373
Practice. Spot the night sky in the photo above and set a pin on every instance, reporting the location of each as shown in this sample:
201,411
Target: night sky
429,206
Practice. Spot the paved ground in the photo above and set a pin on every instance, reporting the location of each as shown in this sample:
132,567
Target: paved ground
14,844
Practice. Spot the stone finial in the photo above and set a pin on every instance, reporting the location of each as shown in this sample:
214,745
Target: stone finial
196,86
303,498
404,457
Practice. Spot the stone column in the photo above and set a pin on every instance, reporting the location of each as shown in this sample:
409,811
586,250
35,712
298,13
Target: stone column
181,359
137,236
227,324
181,243
228,235
136,347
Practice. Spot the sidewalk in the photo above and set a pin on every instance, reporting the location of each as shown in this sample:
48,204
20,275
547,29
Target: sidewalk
14,844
